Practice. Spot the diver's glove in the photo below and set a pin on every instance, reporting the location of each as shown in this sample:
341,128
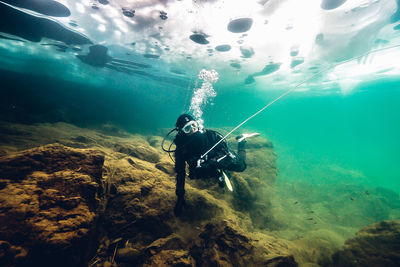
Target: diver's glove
180,206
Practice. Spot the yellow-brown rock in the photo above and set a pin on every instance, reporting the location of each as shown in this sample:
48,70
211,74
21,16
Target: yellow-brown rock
52,196
374,245
49,199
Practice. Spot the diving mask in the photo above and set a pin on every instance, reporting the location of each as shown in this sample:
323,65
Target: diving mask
190,127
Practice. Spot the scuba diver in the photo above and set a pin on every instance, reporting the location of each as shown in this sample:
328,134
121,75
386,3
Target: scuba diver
191,143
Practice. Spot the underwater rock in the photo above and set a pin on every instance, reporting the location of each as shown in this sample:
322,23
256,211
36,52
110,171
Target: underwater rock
50,199
221,245
5,150
128,255
138,224
14,21
331,4
81,139
171,248
254,186
49,159
199,38
374,245
247,51
142,152
139,213
155,141
282,261
223,48
240,25
45,7
166,167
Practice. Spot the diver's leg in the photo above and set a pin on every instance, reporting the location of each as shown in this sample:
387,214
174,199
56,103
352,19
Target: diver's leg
240,163
235,161
242,150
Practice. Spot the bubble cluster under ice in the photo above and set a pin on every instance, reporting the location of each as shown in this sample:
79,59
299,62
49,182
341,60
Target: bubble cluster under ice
203,94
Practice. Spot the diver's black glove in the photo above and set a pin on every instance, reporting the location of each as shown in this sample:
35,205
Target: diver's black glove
179,206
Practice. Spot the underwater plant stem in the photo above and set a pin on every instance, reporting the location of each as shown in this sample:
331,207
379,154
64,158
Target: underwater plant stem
115,252
293,88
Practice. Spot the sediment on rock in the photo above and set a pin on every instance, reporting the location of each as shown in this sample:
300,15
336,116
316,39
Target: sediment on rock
50,198
63,206
374,245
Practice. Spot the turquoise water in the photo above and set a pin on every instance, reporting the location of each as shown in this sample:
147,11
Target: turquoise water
321,138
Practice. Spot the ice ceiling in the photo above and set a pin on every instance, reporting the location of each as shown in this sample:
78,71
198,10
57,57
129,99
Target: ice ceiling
268,43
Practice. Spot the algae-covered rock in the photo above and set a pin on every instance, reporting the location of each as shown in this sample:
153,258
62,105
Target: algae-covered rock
166,167
53,195
221,245
49,201
254,187
374,245
140,151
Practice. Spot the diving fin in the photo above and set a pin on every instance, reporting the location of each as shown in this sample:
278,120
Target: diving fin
244,136
227,182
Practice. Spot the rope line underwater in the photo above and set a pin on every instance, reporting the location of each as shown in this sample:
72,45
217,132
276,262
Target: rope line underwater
292,89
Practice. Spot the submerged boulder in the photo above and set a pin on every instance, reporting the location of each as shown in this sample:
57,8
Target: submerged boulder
50,197
222,244
143,152
253,188
374,245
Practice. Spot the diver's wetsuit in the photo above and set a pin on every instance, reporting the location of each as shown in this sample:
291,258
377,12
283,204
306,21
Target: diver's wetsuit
189,148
